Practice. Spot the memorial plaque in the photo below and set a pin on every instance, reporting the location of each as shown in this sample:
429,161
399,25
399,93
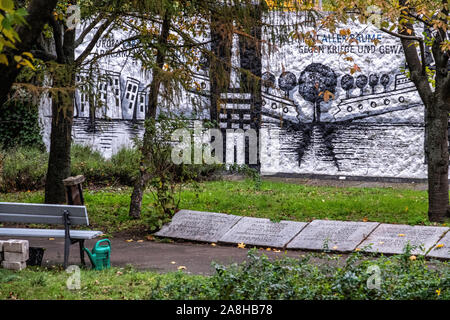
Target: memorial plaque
441,249
392,239
263,232
333,235
198,226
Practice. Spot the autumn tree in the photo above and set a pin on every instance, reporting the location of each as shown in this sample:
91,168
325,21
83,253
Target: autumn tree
23,38
406,20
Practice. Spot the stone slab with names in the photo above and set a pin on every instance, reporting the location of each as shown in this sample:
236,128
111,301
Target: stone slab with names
263,232
341,236
441,249
198,226
392,239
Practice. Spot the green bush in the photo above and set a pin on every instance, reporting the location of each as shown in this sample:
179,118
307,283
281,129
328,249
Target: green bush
125,165
19,125
260,278
23,168
90,163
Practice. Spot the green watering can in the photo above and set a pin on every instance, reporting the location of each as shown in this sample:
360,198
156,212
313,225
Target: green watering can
100,255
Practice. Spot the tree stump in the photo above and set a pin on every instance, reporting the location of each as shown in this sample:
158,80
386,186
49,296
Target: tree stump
74,190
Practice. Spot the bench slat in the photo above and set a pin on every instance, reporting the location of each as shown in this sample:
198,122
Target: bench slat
39,208
43,213
43,219
48,233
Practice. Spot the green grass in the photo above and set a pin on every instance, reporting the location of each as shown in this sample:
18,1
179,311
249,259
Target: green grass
51,284
108,207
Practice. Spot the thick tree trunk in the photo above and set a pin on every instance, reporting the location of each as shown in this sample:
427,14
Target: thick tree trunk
220,61
142,179
436,116
437,158
60,142
38,12
62,118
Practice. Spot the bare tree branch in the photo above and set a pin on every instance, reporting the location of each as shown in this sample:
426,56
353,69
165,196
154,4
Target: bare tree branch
94,40
88,29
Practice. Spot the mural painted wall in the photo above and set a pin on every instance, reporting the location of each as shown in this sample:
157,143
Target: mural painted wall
370,124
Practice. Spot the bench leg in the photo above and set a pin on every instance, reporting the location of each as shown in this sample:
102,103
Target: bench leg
81,243
66,251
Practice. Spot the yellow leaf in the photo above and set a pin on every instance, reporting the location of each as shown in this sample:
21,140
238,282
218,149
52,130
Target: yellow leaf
181,268
3,59
7,5
28,54
241,245
401,235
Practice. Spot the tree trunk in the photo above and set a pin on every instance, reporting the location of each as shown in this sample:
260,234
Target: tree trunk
220,61
60,142
437,158
62,118
142,179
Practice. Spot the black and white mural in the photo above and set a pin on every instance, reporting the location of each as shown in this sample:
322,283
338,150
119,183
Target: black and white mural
329,120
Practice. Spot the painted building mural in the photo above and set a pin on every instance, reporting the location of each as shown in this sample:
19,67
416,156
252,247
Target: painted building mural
368,124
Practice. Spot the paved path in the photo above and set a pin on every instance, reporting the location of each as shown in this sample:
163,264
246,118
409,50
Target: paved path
157,256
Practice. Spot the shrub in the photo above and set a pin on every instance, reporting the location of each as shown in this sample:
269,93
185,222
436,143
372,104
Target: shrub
19,125
24,168
89,163
125,165
263,279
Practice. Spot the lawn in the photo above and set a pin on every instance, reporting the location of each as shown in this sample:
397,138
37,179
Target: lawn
108,207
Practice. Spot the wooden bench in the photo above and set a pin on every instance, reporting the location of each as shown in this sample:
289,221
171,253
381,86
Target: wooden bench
27,213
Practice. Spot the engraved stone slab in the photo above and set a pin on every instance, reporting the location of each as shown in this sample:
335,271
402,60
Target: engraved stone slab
198,226
392,239
441,249
263,232
334,235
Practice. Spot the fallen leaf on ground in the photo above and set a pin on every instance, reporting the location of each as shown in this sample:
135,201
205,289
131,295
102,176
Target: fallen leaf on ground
241,245
130,240
440,245
140,241
51,239
401,235
150,238
213,244
181,268
173,262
